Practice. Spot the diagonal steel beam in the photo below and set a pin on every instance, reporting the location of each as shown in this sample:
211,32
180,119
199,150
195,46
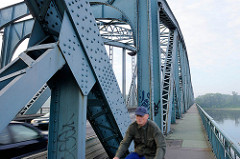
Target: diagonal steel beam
37,73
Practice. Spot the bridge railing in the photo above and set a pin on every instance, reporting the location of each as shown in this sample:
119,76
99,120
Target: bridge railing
222,145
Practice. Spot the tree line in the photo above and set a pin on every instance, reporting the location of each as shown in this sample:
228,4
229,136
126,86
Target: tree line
218,100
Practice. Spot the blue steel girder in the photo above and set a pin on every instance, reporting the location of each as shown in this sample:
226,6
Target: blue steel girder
87,31
80,36
176,76
169,19
47,15
117,32
145,57
185,82
12,13
37,37
166,18
86,87
68,109
181,70
167,84
156,63
181,77
26,74
142,27
36,102
13,35
117,10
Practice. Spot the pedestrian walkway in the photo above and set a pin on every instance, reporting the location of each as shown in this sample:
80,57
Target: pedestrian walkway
188,139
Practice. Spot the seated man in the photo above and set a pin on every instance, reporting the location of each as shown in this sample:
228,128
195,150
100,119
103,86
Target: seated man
149,143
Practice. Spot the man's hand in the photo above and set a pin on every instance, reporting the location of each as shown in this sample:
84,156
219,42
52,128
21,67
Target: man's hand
115,158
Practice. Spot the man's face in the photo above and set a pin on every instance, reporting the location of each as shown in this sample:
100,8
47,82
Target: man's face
142,120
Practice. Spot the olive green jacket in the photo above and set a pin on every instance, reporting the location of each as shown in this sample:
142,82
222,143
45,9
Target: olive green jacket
148,141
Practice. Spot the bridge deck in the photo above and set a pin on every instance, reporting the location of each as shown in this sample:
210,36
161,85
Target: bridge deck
188,139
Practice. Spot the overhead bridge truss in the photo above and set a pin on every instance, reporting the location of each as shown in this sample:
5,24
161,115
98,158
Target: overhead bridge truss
67,60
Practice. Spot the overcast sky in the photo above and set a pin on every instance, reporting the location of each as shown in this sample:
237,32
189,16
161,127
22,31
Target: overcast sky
211,30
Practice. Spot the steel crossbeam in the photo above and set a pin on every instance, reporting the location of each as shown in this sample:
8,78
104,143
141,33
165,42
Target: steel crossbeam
35,73
37,101
13,35
66,54
12,13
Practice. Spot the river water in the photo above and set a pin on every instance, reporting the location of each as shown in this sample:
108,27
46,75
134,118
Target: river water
229,121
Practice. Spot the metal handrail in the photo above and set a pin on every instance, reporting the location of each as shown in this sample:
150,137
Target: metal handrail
223,145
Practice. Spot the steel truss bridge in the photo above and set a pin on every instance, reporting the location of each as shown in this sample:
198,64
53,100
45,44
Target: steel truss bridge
66,59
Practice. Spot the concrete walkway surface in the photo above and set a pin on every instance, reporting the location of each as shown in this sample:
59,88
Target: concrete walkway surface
188,139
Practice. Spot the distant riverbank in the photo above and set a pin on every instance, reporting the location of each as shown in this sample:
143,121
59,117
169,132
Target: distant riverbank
228,119
221,108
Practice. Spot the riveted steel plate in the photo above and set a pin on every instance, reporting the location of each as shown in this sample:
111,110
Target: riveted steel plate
52,18
75,57
93,44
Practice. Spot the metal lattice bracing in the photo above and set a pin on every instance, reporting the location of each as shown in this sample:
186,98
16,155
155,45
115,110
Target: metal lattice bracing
66,55
132,94
167,84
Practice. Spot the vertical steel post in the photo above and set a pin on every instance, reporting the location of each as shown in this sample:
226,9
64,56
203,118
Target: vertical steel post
144,59
156,63
67,128
124,73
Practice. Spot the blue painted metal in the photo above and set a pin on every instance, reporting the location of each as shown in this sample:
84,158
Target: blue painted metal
124,73
26,75
145,57
109,133
87,31
68,112
37,101
13,35
223,146
181,77
75,57
177,90
125,11
12,13
157,84
81,78
167,86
